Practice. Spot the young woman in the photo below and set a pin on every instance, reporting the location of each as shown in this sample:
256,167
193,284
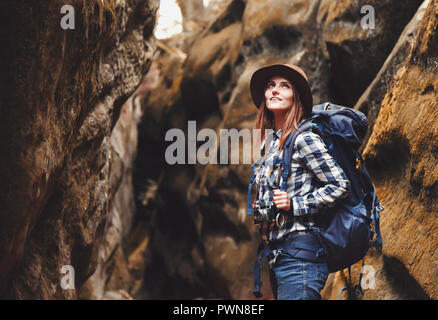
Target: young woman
297,268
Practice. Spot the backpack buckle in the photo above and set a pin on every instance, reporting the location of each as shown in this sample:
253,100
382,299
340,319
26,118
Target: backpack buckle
358,164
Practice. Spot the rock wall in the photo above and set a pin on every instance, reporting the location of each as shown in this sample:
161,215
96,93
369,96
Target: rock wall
82,187
357,54
402,155
201,243
370,101
67,138
403,98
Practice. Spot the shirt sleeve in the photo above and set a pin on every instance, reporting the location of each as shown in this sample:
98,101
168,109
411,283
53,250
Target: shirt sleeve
335,184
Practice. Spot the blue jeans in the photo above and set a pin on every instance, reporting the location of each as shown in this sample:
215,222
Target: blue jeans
296,279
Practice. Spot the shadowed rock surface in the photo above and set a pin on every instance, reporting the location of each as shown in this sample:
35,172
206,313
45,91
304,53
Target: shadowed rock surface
356,54
401,156
85,112
63,162
369,102
211,86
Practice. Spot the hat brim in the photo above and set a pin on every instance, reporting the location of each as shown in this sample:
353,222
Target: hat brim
261,76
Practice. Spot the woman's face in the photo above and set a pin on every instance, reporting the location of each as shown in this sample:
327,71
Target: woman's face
278,94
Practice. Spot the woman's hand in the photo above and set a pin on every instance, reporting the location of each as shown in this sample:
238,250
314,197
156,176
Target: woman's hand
281,200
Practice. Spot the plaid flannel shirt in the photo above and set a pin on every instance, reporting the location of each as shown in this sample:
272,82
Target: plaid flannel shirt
316,181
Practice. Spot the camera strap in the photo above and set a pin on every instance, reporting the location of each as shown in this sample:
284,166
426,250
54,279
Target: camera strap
251,183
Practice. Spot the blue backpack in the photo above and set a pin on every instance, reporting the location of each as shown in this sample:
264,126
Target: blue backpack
347,230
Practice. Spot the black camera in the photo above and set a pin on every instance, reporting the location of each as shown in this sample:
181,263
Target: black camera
268,212
264,212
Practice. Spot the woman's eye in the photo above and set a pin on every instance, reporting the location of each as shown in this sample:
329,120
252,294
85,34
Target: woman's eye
272,85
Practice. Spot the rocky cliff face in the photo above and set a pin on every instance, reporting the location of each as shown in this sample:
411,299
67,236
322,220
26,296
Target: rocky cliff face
402,155
202,242
82,187
399,146
68,138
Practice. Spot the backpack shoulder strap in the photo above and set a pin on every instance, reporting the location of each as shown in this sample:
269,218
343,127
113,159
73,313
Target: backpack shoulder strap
288,150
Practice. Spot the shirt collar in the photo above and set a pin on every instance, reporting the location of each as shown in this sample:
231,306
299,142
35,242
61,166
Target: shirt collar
277,134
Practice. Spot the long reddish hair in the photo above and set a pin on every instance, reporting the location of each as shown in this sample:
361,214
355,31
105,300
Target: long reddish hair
265,118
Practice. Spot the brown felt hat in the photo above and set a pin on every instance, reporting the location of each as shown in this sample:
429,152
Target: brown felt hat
291,72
